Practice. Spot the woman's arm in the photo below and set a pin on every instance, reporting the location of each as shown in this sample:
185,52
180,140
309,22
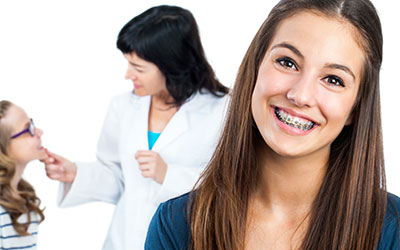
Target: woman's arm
101,180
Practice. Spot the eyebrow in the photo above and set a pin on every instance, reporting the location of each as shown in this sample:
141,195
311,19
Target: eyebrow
341,67
328,65
288,46
136,65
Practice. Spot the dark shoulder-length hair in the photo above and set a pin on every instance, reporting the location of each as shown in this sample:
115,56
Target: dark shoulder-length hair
168,36
348,212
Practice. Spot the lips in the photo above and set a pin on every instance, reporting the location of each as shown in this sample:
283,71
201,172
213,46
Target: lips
293,120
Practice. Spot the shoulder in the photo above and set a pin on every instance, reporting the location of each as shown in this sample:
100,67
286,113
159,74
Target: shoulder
3,214
10,239
392,216
390,237
4,217
169,228
2,210
174,209
393,206
124,98
125,101
207,96
205,102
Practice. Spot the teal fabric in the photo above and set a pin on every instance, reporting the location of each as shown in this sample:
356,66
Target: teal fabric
152,137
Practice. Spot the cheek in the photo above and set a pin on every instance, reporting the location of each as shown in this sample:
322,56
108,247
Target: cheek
161,80
260,102
15,151
153,81
267,85
259,99
271,82
22,152
336,110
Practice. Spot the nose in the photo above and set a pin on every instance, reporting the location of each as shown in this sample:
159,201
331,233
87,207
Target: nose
302,92
38,132
130,74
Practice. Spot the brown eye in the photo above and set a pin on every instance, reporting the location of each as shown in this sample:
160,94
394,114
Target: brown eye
287,62
334,80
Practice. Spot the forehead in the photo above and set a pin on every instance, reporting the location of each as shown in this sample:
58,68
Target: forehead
134,58
16,118
317,36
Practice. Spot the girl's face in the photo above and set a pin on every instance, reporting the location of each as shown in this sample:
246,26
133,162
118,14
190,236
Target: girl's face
146,76
307,84
24,148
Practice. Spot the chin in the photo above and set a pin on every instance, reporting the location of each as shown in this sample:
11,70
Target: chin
139,92
286,153
41,155
287,150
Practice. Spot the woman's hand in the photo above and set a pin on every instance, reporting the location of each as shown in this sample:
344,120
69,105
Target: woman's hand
59,168
152,165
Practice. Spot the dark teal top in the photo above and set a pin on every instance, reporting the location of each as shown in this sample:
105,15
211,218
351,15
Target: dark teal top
152,138
169,228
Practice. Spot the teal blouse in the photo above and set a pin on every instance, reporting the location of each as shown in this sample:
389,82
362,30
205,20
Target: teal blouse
152,138
169,228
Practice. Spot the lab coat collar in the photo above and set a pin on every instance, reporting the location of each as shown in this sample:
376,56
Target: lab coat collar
193,110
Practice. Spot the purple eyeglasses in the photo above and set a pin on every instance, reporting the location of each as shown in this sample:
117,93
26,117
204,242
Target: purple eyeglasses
30,130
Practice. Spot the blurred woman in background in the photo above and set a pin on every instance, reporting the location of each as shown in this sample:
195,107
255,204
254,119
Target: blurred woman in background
157,139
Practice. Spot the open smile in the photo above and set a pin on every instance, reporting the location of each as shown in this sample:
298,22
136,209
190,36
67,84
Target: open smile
293,121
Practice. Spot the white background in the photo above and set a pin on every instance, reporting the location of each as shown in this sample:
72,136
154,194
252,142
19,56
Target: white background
58,60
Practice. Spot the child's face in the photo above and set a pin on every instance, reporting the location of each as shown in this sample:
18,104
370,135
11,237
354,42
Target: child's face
25,147
307,85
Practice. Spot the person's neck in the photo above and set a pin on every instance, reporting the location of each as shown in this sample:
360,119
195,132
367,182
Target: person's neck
19,169
290,183
163,101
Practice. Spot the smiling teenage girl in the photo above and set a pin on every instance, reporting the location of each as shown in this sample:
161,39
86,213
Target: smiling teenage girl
20,143
300,163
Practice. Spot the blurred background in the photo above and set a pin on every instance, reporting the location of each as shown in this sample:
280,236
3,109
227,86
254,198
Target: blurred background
58,61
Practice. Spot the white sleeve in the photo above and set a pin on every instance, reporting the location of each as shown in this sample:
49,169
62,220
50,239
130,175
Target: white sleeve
178,180
101,180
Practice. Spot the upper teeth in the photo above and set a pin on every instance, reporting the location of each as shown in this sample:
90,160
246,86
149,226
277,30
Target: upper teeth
293,121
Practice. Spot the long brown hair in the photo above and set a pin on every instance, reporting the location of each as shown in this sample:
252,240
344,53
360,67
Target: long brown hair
20,201
348,212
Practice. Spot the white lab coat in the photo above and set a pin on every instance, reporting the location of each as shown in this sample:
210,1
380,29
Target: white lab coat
186,145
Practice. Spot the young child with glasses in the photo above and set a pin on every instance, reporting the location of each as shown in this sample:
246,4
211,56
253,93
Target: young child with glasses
20,144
